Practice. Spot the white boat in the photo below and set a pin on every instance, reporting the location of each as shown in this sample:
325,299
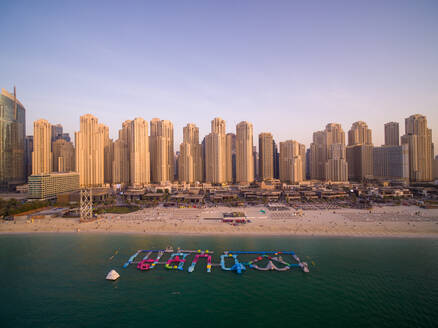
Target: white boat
112,275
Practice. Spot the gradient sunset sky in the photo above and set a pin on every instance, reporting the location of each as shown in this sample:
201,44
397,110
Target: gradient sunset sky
288,67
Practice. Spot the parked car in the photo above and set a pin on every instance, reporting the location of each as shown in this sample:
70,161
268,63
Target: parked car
8,218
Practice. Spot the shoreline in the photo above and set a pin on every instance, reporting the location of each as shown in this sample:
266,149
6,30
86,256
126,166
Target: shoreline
222,234
396,222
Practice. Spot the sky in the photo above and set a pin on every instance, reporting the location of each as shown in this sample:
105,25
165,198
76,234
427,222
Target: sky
288,67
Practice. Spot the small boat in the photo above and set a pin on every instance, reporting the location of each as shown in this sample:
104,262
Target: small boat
112,275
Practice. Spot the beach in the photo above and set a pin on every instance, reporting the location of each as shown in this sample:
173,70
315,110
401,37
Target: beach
386,221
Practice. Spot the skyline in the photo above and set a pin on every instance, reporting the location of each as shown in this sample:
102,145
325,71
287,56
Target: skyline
191,62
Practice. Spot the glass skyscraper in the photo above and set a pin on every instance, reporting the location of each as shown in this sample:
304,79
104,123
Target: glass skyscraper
12,135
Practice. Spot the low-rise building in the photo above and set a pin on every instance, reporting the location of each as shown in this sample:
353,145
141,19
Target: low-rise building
46,186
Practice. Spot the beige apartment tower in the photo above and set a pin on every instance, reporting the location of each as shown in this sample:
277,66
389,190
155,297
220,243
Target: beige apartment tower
90,145
266,156
392,136
63,156
244,153
360,152
328,155
190,156
215,153
121,153
42,147
418,137
139,153
161,149
230,157
108,154
291,161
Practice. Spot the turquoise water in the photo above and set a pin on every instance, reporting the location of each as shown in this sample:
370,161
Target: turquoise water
58,281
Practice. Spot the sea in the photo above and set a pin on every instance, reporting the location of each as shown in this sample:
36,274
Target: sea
58,280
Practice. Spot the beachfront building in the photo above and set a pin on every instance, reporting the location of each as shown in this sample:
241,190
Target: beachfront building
391,162
47,186
63,156
392,135
328,154
90,143
244,153
161,151
360,152
292,154
215,153
190,156
418,137
13,131
42,147
266,156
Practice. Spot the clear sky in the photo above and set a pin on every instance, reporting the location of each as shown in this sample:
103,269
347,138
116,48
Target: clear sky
289,67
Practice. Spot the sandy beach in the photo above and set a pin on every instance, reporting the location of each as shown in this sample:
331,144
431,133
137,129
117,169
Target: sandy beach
388,221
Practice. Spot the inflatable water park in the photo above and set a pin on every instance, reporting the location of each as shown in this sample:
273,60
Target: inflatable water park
234,261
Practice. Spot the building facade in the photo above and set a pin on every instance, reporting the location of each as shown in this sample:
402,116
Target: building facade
230,158
215,153
418,137
47,186
360,152
392,134
63,156
266,156
391,162
42,157
291,162
190,156
328,154
161,151
139,156
12,135
28,149
90,145
244,153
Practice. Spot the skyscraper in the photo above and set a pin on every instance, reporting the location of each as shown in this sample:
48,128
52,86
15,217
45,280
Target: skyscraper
42,159
276,160
56,132
336,167
291,161
215,153
90,144
266,156
13,131
161,149
121,155
28,150
108,150
327,154
392,134
190,156
230,157
244,153
360,152
63,156
139,156
419,139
